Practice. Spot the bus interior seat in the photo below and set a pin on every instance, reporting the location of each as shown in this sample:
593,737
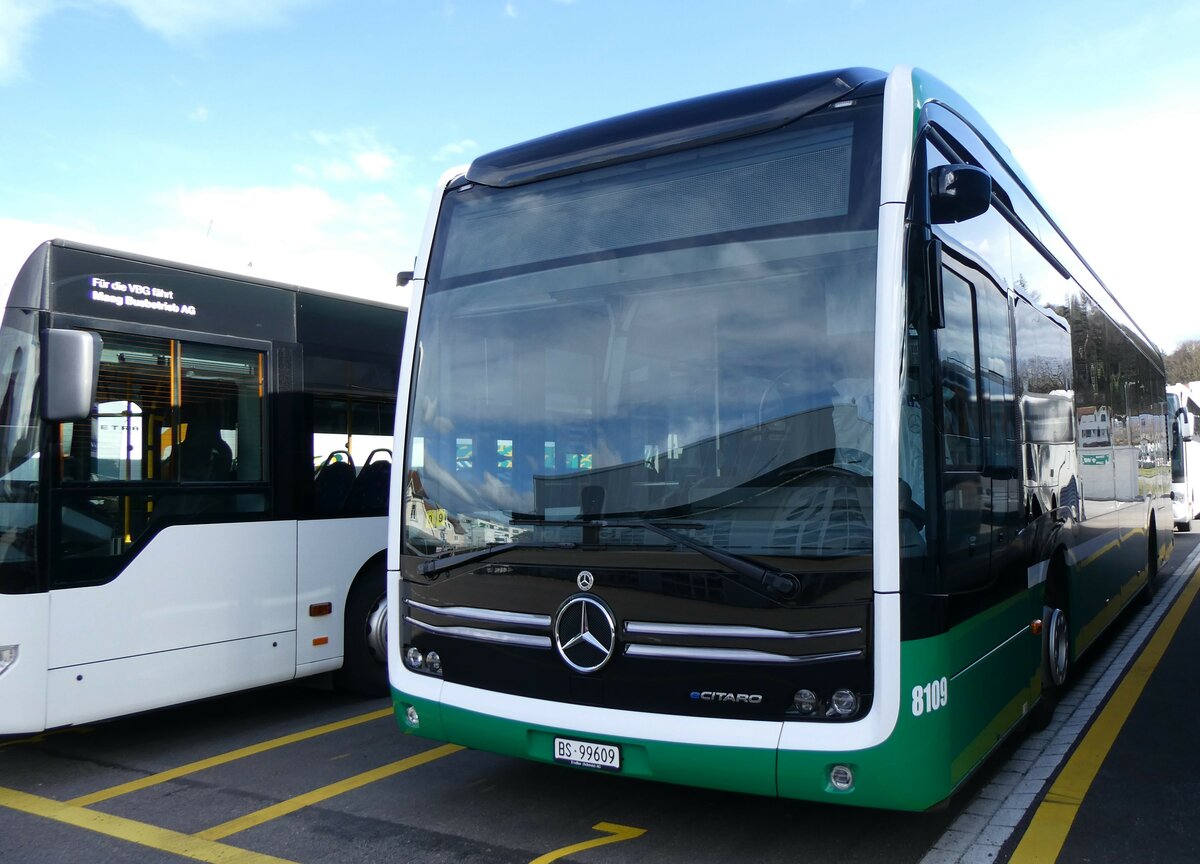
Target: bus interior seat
370,490
333,482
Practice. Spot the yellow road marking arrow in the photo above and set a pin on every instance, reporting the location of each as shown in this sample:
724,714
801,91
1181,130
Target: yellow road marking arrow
616,833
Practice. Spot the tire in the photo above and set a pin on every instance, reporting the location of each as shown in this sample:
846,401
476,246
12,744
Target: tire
1147,592
364,663
1056,665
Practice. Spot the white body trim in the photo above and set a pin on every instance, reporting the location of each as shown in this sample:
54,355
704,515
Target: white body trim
24,622
399,455
202,610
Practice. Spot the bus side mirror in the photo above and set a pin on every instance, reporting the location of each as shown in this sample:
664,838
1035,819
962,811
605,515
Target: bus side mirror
70,373
1186,423
958,193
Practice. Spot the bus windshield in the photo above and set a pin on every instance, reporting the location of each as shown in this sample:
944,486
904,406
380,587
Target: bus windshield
686,338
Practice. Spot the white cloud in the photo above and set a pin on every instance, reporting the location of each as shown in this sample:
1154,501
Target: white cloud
354,154
199,114
375,165
454,151
18,20
510,10
301,234
171,19
1128,210
193,19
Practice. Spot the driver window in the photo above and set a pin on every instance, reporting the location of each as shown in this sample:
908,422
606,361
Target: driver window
959,375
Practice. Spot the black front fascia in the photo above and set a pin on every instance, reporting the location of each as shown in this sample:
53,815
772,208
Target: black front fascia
672,669
678,126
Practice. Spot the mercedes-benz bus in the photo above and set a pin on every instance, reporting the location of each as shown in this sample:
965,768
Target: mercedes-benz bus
743,448
193,485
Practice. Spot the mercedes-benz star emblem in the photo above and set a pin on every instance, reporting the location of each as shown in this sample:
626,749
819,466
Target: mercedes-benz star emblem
585,580
585,633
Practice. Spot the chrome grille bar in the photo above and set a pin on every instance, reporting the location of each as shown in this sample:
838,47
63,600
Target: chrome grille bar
732,655
491,616
730,631
478,634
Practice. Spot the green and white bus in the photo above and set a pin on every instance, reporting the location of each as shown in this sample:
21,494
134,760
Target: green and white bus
193,485
743,448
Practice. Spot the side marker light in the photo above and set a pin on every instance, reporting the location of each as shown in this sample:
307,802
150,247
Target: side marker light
841,778
8,656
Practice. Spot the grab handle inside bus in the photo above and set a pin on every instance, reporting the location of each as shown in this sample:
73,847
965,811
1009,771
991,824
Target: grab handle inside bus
70,373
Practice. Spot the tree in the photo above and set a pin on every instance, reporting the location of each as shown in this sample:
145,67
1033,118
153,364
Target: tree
1183,364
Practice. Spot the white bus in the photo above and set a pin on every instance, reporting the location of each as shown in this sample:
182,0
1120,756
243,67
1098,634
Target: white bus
1183,404
768,404
193,485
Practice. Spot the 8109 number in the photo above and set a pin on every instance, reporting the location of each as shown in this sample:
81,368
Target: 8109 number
930,697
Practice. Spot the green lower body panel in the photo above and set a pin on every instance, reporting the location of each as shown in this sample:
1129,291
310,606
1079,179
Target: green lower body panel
737,769
960,694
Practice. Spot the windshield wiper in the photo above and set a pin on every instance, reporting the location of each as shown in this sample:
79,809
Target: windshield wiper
435,566
752,573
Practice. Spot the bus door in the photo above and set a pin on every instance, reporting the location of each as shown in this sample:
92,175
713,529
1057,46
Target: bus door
966,534
166,581
982,563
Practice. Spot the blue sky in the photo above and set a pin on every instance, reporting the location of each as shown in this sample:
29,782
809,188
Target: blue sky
300,139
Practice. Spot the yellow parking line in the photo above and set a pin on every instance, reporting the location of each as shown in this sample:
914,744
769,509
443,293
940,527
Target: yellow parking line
213,761
42,736
616,833
1044,838
291,805
134,832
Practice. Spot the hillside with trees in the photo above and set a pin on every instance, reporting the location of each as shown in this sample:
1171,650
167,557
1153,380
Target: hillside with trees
1183,364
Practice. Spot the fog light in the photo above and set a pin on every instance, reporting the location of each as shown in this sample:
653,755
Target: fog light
8,656
412,718
841,777
805,701
433,662
414,658
843,703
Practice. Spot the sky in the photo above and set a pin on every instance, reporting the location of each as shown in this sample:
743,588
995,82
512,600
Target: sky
301,140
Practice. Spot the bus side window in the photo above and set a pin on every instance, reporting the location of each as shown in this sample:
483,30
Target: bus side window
175,422
959,375
221,434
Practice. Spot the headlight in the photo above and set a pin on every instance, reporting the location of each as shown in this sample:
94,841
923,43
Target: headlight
843,703
805,702
414,658
433,662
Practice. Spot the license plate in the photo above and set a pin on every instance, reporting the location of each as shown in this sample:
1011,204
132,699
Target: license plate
588,754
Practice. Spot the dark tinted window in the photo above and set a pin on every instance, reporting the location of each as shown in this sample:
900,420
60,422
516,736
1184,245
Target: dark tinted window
959,374
351,370
177,437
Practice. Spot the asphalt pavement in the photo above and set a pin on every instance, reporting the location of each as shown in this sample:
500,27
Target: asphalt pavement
1129,790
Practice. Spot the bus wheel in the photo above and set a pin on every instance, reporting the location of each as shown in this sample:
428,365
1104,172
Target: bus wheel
364,664
1058,648
1056,665
1147,592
